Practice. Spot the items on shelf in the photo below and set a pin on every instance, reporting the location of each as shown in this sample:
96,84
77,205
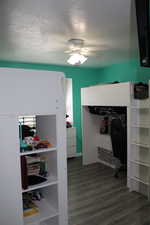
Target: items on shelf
33,165
141,91
34,170
35,179
32,143
29,202
29,141
43,144
25,131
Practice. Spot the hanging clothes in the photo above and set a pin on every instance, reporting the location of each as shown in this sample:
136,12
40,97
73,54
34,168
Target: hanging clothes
119,140
104,125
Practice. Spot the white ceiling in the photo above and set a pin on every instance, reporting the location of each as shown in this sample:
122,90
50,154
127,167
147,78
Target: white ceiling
38,30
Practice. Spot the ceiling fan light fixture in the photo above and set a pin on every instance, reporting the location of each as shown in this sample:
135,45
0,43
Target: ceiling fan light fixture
76,59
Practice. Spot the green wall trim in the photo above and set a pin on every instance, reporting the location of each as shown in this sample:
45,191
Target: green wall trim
81,77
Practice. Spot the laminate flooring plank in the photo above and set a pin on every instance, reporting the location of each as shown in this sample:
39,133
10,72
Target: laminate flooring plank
97,198
78,205
107,211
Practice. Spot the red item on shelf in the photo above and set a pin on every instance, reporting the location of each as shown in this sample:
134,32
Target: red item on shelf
36,138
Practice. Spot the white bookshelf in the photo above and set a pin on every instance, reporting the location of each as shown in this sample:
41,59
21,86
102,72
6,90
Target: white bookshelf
139,164
38,93
48,207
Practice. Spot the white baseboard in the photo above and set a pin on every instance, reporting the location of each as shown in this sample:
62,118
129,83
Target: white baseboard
77,154
105,163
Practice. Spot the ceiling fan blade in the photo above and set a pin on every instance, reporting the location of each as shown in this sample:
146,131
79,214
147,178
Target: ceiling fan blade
68,51
97,47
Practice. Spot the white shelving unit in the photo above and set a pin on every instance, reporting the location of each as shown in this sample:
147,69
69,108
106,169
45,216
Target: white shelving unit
39,93
48,207
139,164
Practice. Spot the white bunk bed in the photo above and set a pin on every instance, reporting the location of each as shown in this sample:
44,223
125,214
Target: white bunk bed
119,94
100,95
39,93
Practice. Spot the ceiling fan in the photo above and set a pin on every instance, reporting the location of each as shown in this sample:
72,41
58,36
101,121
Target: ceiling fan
79,52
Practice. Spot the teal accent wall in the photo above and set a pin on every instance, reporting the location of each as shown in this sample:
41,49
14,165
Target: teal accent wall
81,77
123,72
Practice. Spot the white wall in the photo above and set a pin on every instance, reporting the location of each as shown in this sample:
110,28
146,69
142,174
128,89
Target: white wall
69,100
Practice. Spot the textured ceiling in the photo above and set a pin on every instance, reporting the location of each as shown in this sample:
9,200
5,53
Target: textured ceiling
38,31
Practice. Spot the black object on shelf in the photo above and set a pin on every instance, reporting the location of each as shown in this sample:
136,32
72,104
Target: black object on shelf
140,91
27,131
34,179
24,176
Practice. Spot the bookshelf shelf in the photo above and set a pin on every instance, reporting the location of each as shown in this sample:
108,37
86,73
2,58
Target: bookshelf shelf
140,163
37,151
140,107
139,180
139,104
46,211
50,181
51,221
143,126
141,144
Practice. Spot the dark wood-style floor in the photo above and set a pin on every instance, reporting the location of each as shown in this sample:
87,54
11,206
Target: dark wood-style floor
97,198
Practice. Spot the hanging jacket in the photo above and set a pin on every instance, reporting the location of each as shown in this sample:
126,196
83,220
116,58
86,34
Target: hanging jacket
119,140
